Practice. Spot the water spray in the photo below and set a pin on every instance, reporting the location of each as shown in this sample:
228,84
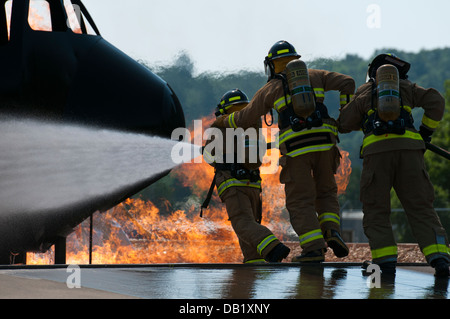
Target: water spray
53,176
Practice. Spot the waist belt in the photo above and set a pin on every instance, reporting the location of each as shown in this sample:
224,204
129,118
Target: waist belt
241,177
238,171
287,117
373,123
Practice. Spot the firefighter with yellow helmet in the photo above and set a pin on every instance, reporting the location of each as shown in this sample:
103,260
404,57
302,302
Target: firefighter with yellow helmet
392,154
238,183
307,142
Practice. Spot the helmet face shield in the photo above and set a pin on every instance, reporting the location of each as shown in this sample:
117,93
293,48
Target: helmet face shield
268,68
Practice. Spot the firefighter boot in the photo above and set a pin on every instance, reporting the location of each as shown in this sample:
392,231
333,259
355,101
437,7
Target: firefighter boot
278,253
335,242
315,256
386,268
441,267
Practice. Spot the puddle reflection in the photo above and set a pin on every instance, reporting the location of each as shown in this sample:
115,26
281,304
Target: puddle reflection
316,282
255,282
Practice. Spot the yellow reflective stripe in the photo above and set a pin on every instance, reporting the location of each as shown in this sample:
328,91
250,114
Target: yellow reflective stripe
310,149
383,252
231,122
329,217
264,243
435,248
405,107
279,52
207,156
319,92
429,122
310,236
281,102
370,139
232,182
255,261
283,51
345,98
325,128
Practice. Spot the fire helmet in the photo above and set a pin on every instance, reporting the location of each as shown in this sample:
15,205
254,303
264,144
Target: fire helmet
279,50
230,99
388,58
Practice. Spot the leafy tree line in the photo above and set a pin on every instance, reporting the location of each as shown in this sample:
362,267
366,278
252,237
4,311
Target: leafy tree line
200,94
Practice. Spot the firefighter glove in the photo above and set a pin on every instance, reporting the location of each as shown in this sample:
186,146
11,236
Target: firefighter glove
425,133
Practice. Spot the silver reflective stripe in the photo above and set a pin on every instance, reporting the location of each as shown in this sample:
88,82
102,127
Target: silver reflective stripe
281,102
310,236
319,92
236,182
308,149
265,242
329,217
325,128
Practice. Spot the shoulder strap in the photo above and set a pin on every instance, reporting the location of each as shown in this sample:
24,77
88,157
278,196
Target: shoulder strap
208,196
282,78
374,93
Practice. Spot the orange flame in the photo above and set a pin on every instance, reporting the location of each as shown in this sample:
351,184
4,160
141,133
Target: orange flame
136,231
39,17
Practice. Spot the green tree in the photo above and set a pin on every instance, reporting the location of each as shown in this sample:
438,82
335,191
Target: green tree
200,94
438,167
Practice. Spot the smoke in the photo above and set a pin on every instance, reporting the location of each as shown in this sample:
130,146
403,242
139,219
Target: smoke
47,165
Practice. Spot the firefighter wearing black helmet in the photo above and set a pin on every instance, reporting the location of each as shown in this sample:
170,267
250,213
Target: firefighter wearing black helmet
238,183
308,147
392,154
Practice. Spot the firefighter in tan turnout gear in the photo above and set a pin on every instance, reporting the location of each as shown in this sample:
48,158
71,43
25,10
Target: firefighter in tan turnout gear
307,141
392,154
238,183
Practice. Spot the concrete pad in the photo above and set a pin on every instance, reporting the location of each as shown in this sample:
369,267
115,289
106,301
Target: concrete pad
222,281
14,287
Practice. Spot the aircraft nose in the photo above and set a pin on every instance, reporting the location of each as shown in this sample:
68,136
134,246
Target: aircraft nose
111,89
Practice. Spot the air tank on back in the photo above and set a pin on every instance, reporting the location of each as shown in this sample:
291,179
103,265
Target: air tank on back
302,95
388,88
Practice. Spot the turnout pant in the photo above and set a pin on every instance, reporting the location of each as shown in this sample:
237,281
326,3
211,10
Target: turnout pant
243,206
311,195
403,170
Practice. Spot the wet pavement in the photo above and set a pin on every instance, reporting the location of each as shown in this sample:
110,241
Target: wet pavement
225,281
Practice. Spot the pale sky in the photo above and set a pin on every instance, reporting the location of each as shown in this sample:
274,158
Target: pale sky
232,35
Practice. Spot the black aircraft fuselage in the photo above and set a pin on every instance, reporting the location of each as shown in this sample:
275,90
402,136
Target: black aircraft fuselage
63,73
